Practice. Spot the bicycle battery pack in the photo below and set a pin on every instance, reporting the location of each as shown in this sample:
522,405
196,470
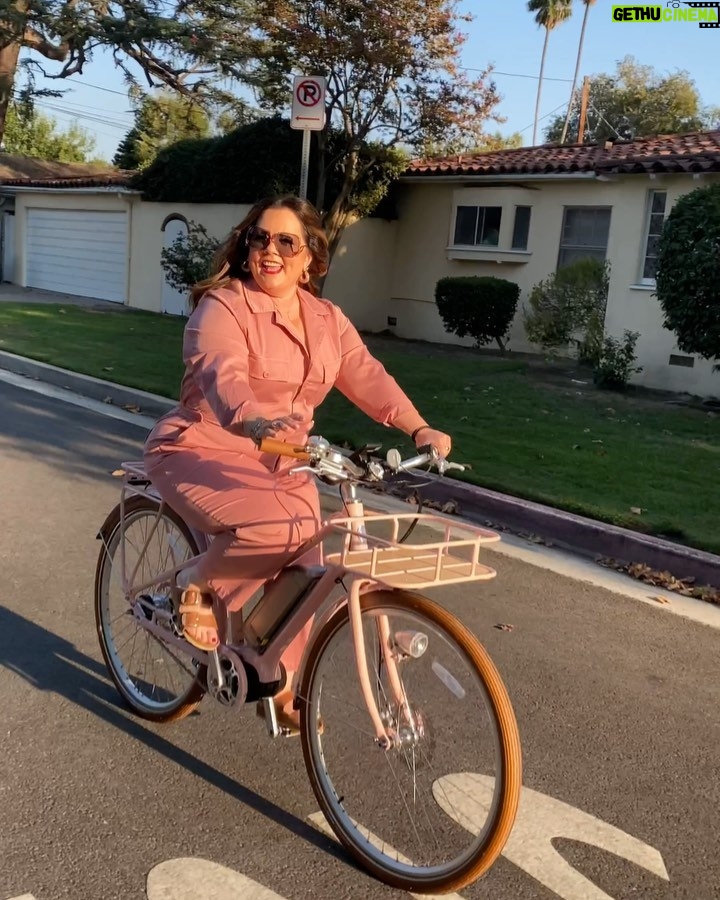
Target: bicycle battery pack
279,599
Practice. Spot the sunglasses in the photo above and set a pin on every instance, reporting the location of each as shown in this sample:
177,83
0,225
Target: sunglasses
287,245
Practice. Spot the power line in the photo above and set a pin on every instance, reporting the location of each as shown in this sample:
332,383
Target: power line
517,75
560,106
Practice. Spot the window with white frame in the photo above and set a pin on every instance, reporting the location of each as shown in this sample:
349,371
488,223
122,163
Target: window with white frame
653,230
584,235
521,228
477,226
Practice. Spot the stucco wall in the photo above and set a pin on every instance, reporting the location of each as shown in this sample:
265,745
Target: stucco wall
424,254
358,280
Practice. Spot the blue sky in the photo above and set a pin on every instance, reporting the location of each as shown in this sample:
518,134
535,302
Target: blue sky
503,33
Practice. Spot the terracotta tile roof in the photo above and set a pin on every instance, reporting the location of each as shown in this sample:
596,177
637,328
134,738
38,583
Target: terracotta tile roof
25,171
696,152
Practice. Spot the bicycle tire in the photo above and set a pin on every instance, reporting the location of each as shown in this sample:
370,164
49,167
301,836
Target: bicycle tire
188,701
509,777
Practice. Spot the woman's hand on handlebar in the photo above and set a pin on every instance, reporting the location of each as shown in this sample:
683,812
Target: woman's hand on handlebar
440,441
259,429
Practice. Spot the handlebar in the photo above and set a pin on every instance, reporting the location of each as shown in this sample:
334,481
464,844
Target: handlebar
273,445
334,464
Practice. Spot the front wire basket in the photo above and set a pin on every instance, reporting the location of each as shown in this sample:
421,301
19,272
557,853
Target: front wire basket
451,558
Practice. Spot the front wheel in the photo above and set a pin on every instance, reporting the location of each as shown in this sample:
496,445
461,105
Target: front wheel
433,812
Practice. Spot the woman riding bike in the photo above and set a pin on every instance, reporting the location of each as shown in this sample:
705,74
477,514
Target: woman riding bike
261,352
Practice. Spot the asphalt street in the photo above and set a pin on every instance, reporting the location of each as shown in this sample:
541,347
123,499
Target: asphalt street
616,700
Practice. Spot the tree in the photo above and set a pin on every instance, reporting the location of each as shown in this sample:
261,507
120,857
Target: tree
394,80
688,273
588,4
637,102
34,134
497,141
548,14
160,121
186,45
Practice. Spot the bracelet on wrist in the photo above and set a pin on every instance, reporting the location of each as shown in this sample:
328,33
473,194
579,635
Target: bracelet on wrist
417,432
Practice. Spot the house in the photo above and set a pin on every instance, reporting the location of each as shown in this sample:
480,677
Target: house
517,214
520,214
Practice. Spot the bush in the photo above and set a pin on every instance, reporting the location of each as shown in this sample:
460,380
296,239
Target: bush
568,308
688,274
187,260
617,362
481,307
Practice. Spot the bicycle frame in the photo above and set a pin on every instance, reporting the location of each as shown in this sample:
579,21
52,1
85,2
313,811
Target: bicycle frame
338,568
267,662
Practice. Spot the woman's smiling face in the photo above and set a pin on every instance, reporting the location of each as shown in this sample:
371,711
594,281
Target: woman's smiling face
279,275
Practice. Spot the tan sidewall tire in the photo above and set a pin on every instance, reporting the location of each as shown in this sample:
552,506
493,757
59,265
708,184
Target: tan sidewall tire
195,695
510,776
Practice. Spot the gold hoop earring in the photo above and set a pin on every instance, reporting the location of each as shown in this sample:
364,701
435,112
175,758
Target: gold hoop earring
305,277
245,266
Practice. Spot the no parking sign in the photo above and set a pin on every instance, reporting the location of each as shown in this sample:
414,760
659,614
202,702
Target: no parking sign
308,103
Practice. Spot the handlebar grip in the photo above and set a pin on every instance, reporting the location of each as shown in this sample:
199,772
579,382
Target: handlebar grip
273,445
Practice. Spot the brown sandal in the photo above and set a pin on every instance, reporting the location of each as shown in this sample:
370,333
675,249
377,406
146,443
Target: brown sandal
197,613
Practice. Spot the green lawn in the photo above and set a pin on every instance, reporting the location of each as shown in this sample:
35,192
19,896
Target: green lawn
595,453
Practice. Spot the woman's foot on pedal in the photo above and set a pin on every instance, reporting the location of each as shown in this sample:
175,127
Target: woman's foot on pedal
200,626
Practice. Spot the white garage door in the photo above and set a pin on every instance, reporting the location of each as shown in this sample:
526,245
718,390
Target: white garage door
77,252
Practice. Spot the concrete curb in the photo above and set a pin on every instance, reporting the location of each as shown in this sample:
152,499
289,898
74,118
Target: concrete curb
85,385
578,534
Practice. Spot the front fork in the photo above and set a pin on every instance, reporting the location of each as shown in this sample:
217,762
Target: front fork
386,737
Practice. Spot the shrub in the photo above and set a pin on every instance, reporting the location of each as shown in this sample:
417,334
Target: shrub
568,308
481,307
617,362
187,260
688,274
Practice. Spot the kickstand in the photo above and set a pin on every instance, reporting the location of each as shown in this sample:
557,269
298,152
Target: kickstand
271,717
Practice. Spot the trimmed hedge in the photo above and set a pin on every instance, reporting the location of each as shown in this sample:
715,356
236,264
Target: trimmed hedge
481,307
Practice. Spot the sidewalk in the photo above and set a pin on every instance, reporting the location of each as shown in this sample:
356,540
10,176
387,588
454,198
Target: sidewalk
586,537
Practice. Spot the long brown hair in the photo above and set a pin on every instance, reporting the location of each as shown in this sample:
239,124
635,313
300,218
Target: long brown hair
227,263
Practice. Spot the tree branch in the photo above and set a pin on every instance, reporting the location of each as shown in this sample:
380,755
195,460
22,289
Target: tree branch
37,41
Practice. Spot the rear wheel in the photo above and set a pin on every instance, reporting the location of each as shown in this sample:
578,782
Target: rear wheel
433,812
156,680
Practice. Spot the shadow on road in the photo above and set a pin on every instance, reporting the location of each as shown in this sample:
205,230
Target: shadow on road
73,440
50,663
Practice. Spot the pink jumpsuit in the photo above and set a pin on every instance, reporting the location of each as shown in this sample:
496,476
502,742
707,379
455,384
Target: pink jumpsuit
244,360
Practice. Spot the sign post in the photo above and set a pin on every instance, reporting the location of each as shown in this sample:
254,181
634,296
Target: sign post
308,114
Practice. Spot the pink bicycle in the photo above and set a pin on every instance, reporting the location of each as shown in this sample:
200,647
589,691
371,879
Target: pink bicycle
396,696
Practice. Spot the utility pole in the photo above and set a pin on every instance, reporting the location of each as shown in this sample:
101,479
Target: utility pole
583,108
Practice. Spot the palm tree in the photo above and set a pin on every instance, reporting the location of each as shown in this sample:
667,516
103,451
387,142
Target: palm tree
548,14
588,4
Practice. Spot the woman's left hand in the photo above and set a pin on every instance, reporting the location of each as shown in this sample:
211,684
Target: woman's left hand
438,439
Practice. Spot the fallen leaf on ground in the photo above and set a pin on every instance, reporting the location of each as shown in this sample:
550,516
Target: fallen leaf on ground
107,399
131,407
659,599
503,627
450,508
684,586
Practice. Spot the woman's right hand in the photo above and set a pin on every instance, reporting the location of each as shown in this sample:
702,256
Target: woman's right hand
258,429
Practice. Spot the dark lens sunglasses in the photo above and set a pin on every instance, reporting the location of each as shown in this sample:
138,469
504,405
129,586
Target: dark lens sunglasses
287,245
